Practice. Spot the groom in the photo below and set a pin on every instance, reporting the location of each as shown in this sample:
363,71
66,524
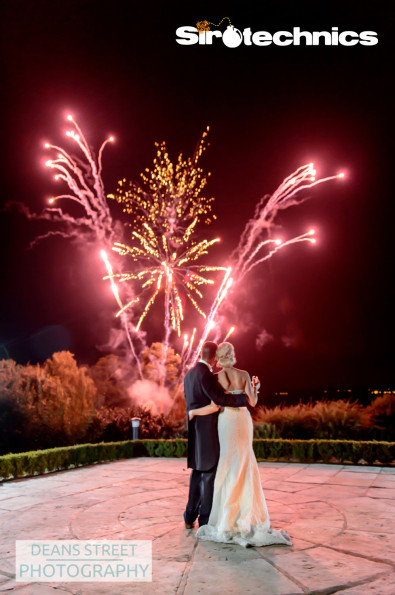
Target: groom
200,388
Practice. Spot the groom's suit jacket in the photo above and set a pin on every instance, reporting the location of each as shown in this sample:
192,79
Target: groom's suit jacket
200,388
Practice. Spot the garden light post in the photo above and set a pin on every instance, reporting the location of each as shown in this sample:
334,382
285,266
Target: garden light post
135,426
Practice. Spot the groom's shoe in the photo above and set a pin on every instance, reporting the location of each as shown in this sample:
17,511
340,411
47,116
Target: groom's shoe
189,525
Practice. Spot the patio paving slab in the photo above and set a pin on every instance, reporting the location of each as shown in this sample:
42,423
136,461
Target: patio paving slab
341,520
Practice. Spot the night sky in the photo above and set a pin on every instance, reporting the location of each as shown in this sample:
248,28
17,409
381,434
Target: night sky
117,67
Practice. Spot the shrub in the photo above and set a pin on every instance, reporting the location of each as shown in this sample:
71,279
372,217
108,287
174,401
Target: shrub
382,412
340,419
111,376
115,424
266,430
296,421
45,405
321,419
13,420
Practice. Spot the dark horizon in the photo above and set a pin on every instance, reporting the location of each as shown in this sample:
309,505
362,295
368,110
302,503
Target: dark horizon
118,69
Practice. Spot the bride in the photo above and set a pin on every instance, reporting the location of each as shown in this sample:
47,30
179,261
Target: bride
239,513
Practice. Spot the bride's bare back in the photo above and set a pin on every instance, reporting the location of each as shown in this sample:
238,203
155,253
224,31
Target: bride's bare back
234,379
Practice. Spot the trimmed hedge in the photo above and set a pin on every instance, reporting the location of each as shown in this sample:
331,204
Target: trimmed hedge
55,459
325,450
38,462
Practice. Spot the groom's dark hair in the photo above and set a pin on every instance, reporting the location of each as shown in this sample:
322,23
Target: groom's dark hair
209,350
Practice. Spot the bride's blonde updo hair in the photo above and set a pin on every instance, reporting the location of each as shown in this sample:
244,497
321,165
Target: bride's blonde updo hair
226,355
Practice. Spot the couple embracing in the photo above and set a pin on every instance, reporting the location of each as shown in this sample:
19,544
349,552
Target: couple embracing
225,492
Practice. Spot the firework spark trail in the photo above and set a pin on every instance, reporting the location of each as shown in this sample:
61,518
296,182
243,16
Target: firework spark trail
287,194
230,332
249,264
73,227
83,178
188,349
115,292
219,298
184,346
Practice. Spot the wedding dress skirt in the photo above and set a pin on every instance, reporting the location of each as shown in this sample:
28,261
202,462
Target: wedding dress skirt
239,513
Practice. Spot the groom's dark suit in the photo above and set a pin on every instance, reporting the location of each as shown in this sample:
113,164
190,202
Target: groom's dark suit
200,388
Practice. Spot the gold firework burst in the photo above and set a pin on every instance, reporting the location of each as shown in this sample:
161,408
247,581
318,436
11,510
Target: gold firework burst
166,210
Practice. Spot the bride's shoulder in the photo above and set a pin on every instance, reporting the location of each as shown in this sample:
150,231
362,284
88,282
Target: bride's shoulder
241,372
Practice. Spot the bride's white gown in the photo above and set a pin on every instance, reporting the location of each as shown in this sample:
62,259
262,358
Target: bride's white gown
239,513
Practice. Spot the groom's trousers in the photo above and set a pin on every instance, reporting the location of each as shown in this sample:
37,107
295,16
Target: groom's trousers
201,488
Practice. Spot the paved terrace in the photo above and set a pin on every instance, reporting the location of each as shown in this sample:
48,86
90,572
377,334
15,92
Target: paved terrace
341,519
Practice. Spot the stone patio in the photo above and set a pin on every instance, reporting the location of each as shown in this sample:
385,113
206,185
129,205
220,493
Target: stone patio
341,520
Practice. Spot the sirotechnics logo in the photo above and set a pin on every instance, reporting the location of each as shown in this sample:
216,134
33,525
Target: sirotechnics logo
233,38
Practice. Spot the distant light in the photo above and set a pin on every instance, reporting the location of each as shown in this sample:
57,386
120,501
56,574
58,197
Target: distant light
48,163
57,177
312,232
311,164
111,139
68,133
70,117
51,201
341,175
46,145
313,241
278,242
312,178
313,172
292,180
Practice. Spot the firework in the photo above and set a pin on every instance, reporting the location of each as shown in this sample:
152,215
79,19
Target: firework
166,210
189,346
170,198
184,346
83,178
115,292
248,254
230,331
219,298
173,272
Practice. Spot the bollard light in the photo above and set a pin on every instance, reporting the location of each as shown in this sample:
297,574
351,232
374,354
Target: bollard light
135,427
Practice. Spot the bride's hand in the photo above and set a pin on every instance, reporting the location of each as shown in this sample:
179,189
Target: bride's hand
256,383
